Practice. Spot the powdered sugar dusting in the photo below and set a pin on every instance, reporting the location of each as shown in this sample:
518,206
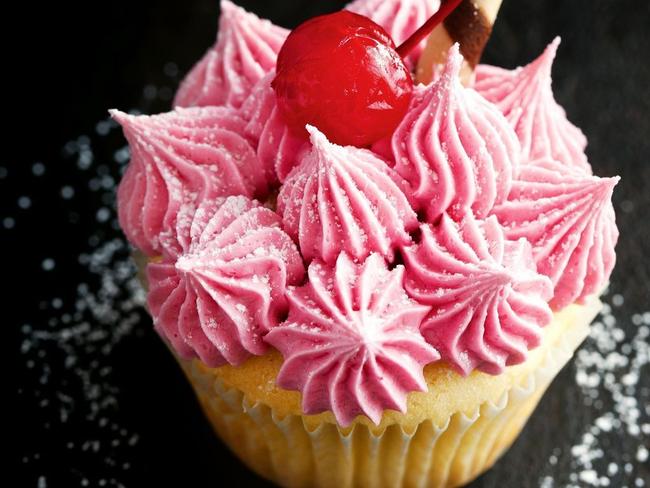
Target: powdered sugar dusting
71,344
75,351
609,371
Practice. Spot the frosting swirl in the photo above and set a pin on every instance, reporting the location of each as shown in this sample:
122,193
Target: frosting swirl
501,246
569,219
344,199
351,342
489,303
455,149
400,18
278,149
525,96
221,282
177,158
245,51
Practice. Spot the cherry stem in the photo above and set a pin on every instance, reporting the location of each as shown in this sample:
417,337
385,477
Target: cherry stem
419,35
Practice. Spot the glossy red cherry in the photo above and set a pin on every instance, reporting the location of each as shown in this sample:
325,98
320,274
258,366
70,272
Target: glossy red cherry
342,74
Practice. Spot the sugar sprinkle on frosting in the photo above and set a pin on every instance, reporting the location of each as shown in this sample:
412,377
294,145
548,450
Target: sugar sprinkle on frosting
525,97
569,219
278,148
351,343
178,158
221,282
488,302
345,199
245,51
455,149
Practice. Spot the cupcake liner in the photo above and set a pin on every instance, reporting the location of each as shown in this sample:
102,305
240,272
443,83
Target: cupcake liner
291,452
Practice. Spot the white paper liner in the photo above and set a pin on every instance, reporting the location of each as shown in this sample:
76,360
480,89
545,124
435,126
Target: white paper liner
286,451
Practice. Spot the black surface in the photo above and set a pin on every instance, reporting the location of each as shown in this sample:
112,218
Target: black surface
67,62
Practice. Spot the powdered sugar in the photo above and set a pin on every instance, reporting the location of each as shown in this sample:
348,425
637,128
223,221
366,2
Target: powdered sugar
608,372
71,343
70,357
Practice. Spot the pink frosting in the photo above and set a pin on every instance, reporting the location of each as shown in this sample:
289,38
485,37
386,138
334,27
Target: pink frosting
181,157
456,150
525,97
278,149
345,199
246,50
351,343
504,244
400,18
489,303
221,283
569,219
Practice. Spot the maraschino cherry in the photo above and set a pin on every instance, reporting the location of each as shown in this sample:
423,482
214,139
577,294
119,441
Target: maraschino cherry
343,74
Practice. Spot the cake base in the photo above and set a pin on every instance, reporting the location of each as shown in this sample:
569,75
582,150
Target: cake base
449,435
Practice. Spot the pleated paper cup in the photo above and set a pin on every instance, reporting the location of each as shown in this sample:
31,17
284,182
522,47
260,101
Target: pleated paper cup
448,436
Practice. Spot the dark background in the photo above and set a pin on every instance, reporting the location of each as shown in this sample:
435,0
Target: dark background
67,62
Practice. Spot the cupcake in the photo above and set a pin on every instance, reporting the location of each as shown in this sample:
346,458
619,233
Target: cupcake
367,282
